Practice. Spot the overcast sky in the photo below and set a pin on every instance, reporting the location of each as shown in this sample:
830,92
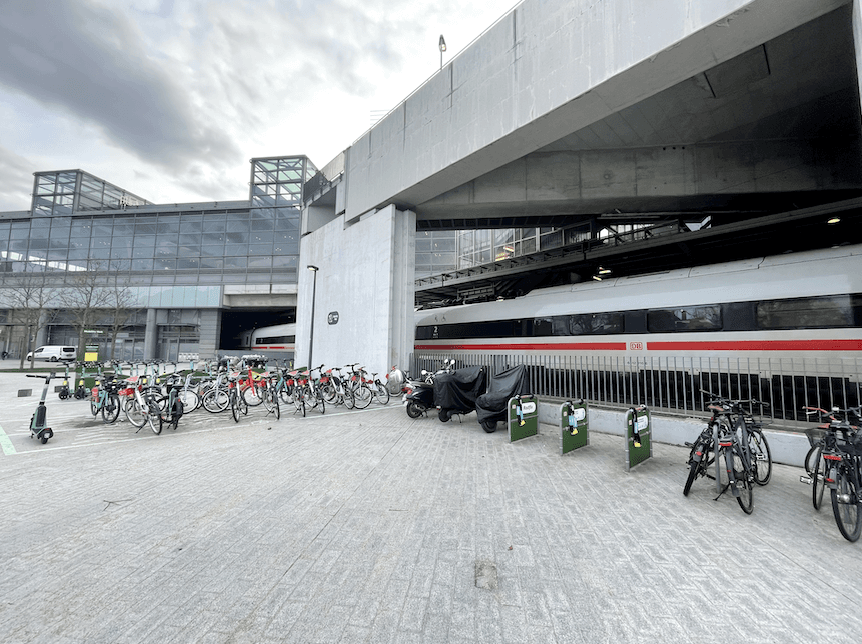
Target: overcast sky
169,99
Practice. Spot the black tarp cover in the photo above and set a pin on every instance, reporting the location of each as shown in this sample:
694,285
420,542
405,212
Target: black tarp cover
501,387
458,390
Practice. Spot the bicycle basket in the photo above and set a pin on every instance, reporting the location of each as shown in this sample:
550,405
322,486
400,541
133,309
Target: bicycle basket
815,435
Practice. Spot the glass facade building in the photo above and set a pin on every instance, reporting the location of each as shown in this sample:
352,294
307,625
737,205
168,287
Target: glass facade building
178,262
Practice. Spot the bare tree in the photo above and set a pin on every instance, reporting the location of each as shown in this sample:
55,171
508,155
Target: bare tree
84,298
33,307
120,301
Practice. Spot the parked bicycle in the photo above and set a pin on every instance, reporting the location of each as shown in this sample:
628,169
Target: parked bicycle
732,437
835,461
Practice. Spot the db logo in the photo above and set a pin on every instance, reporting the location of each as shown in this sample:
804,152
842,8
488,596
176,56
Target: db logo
636,346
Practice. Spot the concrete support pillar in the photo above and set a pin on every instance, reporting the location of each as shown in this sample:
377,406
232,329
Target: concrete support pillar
363,301
151,335
210,333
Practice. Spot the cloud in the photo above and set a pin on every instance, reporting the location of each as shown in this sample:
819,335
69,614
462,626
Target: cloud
175,96
93,63
17,173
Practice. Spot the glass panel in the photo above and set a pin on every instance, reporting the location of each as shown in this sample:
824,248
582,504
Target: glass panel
191,225
187,263
213,238
169,225
145,241
284,261
235,238
214,224
236,262
212,262
165,264
260,261
212,251
142,265
20,230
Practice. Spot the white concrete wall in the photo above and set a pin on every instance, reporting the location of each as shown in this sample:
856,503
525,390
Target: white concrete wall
549,68
366,275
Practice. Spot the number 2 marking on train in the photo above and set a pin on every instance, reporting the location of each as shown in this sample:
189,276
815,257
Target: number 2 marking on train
636,346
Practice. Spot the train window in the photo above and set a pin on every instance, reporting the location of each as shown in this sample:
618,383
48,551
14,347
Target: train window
738,316
596,323
556,325
687,318
635,321
277,339
810,312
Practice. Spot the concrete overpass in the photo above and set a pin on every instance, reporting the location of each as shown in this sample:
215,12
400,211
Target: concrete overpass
584,109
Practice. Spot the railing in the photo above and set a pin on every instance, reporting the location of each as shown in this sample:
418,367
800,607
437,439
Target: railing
576,246
675,384
324,177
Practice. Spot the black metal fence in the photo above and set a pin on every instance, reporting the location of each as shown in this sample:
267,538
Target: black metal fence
678,385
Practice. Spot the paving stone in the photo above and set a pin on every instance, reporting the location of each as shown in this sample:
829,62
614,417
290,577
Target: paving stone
367,527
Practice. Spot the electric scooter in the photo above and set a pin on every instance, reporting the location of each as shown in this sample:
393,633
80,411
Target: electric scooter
38,427
65,392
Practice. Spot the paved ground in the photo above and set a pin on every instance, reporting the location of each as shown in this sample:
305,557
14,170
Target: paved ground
371,527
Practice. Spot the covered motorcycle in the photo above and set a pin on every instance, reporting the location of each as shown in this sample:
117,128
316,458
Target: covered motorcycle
456,392
492,406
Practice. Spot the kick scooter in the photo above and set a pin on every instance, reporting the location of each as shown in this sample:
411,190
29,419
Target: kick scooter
38,427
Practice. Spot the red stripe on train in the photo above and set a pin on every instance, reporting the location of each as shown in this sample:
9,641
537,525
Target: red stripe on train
759,345
549,346
716,345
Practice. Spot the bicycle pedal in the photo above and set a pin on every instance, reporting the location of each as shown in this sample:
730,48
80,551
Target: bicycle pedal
806,479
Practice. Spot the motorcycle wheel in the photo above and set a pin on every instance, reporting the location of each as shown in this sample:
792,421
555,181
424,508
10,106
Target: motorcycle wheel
414,410
443,415
490,426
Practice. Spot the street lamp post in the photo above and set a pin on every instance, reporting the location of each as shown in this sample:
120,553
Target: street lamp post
442,46
314,270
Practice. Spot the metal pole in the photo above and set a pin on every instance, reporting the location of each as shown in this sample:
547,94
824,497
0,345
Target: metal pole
311,332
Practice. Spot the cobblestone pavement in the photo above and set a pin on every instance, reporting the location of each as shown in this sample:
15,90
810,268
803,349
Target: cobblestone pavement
372,527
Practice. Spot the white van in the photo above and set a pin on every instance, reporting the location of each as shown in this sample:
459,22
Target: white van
53,353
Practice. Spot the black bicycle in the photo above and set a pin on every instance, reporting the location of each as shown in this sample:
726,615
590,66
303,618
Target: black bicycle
835,461
732,436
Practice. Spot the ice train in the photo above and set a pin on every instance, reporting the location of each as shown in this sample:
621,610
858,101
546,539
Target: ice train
786,326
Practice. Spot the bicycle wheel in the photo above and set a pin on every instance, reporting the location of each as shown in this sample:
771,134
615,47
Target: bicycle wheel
695,459
154,414
362,396
276,408
234,405
347,398
191,400
111,408
321,404
94,407
216,400
243,405
761,457
135,413
818,478
285,392
329,393
299,400
381,393
253,395
744,482
845,506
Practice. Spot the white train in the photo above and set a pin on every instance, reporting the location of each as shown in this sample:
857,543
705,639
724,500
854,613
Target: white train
274,339
787,327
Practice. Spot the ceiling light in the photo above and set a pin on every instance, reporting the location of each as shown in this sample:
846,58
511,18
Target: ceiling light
834,220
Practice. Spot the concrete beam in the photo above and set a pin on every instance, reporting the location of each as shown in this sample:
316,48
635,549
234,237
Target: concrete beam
549,69
596,181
